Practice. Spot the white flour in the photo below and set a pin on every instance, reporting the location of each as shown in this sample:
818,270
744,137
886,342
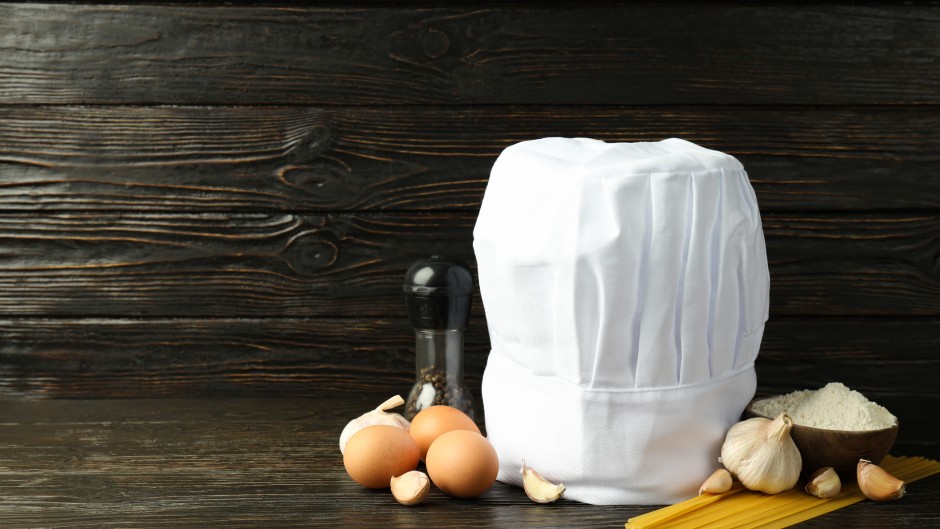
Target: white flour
834,407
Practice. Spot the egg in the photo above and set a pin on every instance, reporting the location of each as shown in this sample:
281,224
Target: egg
377,453
433,421
462,463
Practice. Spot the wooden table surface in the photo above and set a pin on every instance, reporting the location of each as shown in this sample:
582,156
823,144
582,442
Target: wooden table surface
268,463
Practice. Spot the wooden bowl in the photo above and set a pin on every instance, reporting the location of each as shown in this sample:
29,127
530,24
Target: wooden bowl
838,449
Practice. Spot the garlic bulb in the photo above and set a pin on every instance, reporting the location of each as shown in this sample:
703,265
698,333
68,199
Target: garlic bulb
761,454
376,416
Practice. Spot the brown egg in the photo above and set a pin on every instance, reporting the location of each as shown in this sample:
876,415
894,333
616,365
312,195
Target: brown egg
433,421
462,463
377,453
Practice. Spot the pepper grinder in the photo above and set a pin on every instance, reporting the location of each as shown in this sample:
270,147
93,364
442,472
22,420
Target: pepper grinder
438,291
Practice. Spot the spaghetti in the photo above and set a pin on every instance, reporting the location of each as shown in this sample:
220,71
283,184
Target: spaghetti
742,508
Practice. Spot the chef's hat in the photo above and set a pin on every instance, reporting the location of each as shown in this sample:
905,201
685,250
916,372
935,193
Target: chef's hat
626,290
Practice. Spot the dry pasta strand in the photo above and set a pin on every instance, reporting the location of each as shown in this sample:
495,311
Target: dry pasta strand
652,518
744,509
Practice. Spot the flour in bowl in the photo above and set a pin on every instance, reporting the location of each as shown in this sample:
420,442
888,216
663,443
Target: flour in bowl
833,407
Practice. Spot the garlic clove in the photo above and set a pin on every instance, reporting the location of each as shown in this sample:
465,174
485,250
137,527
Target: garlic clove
379,415
718,482
824,483
539,489
762,455
876,483
410,488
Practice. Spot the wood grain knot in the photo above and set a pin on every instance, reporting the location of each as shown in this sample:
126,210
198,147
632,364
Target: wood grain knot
324,178
309,254
435,43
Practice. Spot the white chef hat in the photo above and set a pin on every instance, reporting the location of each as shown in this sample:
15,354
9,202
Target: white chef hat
626,289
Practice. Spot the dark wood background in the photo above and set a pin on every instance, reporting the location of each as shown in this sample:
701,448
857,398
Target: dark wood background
208,201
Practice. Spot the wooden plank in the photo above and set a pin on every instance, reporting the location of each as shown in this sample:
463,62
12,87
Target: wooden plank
110,358
637,54
853,264
287,265
882,358
176,265
262,463
303,158
891,360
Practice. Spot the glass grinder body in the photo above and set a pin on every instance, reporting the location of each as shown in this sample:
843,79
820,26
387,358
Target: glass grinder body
438,291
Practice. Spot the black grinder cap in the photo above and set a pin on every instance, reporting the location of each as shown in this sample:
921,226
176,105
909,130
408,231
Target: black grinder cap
438,291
